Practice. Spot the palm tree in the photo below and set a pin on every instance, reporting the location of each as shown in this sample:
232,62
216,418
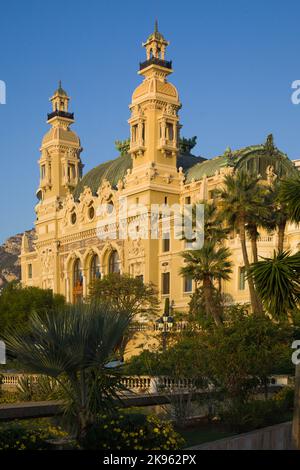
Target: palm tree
74,346
205,266
290,195
277,281
242,201
278,216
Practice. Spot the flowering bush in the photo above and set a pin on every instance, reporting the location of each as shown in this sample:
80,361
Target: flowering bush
18,436
132,431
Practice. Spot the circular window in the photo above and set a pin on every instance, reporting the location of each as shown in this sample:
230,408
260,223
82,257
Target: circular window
73,218
91,213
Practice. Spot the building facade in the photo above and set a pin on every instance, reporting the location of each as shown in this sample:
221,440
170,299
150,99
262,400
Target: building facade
74,215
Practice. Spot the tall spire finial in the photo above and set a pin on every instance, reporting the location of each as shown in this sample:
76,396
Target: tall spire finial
156,26
59,84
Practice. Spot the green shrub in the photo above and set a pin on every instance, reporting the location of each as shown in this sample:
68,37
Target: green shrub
17,436
255,414
132,431
43,388
285,398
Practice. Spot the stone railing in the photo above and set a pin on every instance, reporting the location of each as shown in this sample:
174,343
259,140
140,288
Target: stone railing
267,239
140,383
11,381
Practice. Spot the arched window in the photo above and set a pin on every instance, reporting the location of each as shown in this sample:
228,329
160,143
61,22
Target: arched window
114,262
95,268
77,273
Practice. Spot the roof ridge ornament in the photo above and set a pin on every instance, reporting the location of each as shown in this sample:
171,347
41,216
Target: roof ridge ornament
269,145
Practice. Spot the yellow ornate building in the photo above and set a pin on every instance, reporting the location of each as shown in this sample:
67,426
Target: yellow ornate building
154,167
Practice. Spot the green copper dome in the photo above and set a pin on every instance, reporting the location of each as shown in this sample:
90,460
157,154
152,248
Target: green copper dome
114,170
255,159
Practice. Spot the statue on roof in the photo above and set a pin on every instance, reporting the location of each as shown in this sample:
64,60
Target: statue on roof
123,146
186,145
269,145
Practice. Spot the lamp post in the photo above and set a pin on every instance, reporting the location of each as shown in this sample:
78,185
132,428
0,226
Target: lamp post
165,323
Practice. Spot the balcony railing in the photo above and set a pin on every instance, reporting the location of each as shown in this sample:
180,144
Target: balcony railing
63,114
154,60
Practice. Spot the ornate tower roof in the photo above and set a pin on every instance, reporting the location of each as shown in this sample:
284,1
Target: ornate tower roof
60,91
155,47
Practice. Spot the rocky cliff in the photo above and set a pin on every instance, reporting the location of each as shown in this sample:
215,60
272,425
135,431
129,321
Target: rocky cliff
9,258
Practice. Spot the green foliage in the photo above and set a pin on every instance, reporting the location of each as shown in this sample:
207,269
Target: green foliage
186,145
290,195
20,436
74,347
125,293
255,414
17,303
43,388
244,353
278,283
123,146
131,432
146,363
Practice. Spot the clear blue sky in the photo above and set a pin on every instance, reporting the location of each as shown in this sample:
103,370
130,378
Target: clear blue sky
234,63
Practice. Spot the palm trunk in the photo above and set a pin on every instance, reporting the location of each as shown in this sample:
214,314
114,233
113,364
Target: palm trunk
209,302
253,239
296,416
281,232
253,296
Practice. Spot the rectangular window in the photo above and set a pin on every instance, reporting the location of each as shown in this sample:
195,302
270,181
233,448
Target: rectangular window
134,133
188,284
188,200
170,131
43,171
242,278
165,283
166,242
30,271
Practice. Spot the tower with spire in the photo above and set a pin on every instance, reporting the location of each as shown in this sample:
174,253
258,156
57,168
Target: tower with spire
154,122
60,163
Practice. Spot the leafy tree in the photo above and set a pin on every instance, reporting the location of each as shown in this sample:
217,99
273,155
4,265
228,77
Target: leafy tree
18,303
126,293
244,352
74,348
